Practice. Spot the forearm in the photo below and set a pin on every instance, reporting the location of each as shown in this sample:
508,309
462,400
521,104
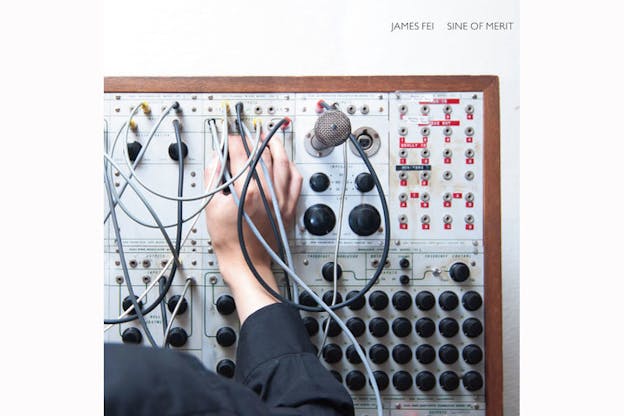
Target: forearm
248,294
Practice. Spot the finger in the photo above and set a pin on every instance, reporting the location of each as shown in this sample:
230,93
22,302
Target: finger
211,173
296,182
282,172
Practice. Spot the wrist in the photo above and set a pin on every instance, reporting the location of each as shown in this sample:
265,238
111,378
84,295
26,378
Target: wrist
247,291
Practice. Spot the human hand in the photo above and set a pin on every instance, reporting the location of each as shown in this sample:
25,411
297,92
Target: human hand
221,212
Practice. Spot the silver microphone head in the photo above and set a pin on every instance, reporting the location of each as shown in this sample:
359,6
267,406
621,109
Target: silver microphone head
331,129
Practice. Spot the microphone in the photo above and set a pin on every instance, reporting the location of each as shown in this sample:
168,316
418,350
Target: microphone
331,129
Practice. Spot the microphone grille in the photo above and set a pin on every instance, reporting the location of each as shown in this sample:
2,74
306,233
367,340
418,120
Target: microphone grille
332,128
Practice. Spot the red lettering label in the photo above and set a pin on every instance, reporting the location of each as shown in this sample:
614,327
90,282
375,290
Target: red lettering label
403,226
468,139
424,204
403,204
444,122
413,194
425,226
424,183
412,145
470,161
447,226
447,160
447,204
457,195
470,226
403,182
469,204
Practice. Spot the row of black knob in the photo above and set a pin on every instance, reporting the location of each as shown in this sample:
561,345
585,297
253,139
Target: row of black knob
401,380
424,380
171,304
401,300
459,272
401,327
177,336
135,147
402,354
364,182
364,219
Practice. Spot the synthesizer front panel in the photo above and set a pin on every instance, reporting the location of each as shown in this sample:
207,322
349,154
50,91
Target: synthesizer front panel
430,326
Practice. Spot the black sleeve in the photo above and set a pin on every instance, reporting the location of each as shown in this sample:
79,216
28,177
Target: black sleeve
275,360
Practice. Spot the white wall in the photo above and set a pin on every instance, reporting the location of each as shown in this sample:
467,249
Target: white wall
324,37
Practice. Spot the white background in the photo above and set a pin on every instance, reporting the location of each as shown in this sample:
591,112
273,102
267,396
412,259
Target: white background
329,37
54,57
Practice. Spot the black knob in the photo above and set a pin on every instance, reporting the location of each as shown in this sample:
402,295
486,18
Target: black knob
378,300
332,353
425,354
329,295
336,375
472,354
459,272
328,271
173,151
401,327
334,328
355,380
364,182
356,326
401,354
472,300
306,299
382,379
177,337
359,303
311,325
319,219
404,279
226,336
472,381
226,368
378,353
401,300
378,327
127,303
364,219
134,149
448,354
449,380
352,356
425,300
448,327
404,263
472,327
401,380
226,304
448,300
425,327
173,301
425,381
319,182
131,336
